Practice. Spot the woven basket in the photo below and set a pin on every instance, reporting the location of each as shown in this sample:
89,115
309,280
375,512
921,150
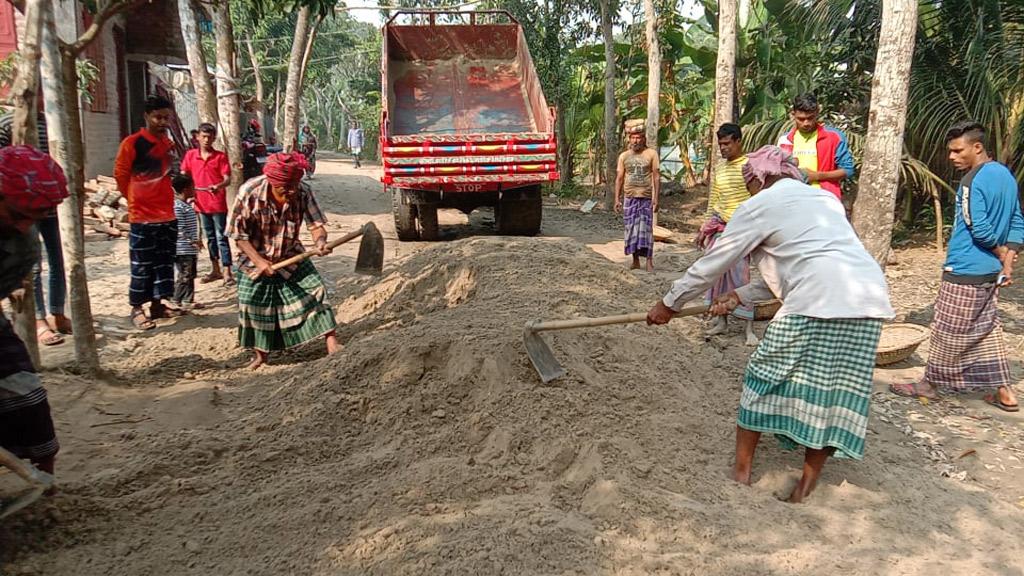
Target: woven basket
898,342
766,310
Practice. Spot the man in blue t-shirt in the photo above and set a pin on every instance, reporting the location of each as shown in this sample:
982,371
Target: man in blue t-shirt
967,350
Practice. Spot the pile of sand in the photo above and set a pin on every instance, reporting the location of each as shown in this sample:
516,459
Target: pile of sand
429,446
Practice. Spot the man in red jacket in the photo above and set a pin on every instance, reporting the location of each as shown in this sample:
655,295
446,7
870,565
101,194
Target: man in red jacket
143,173
821,151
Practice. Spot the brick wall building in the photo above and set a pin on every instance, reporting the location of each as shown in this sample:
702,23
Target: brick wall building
150,33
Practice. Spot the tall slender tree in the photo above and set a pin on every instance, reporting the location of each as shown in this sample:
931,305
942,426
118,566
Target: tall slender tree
653,74
883,148
610,132
293,88
205,96
725,72
228,99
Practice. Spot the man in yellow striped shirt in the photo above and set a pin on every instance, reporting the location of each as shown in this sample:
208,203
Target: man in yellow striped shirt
728,191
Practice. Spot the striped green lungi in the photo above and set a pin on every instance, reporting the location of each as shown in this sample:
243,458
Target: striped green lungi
809,383
275,313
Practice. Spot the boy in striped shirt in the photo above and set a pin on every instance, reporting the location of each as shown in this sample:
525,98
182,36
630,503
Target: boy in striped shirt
189,243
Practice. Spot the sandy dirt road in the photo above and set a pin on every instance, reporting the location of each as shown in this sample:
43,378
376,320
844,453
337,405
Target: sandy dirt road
429,446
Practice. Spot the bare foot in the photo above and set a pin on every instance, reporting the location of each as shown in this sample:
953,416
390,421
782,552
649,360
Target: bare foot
332,343
258,360
752,339
799,493
741,476
635,265
650,265
718,326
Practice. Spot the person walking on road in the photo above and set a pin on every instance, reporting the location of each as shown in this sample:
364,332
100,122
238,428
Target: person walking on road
355,142
967,351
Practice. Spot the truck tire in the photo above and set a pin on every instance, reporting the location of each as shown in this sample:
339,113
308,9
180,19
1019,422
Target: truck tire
520,216
426,215
405,215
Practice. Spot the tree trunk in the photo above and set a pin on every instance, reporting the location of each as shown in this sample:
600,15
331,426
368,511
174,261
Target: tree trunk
228,95
610,145
883,147
725,75
653,75
308,52
205,97
25,130
293,88
257,77
64,129
561,144
277,111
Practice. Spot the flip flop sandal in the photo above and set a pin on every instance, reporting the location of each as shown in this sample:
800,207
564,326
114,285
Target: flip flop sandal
908,390
140,321
995,401
48,337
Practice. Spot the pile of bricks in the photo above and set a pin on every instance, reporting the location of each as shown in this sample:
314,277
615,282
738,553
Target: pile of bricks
106,210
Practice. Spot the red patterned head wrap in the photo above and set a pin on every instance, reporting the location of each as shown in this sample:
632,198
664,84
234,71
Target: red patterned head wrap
284,169
30,179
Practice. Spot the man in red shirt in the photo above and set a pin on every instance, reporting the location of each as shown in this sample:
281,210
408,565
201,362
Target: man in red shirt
142,170
211,172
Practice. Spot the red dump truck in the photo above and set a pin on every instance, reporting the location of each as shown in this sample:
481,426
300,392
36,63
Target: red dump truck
464,122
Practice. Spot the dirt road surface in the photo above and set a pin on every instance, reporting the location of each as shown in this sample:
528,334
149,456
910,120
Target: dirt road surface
429,446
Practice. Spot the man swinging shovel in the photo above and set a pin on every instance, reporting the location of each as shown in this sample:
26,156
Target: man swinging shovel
281,296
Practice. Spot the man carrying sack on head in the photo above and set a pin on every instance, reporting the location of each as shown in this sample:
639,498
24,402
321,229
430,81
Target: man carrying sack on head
279,309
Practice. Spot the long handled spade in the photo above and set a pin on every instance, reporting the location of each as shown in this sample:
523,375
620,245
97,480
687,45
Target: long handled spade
37,480
370,259
540,353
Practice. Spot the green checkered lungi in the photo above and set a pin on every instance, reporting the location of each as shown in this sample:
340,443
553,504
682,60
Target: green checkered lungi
275,313
809,383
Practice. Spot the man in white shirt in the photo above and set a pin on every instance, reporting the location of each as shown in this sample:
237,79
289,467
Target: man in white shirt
809,381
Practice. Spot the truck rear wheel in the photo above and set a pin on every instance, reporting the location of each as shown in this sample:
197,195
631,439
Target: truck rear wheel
404,212
520,216
426,216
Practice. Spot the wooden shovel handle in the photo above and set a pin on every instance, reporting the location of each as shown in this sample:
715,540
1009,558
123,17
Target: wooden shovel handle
537,326
332,245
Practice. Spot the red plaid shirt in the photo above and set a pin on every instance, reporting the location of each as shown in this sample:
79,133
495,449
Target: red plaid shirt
273,231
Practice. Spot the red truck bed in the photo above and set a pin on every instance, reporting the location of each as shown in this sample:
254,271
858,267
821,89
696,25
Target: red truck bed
463,107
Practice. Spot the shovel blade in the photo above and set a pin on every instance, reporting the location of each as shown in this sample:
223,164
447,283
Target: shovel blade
543,359
371,251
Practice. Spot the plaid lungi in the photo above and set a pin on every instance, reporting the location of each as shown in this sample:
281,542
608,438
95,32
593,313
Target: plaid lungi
151,248
639,218
735,277
967,352
26,428
275,313
809,383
